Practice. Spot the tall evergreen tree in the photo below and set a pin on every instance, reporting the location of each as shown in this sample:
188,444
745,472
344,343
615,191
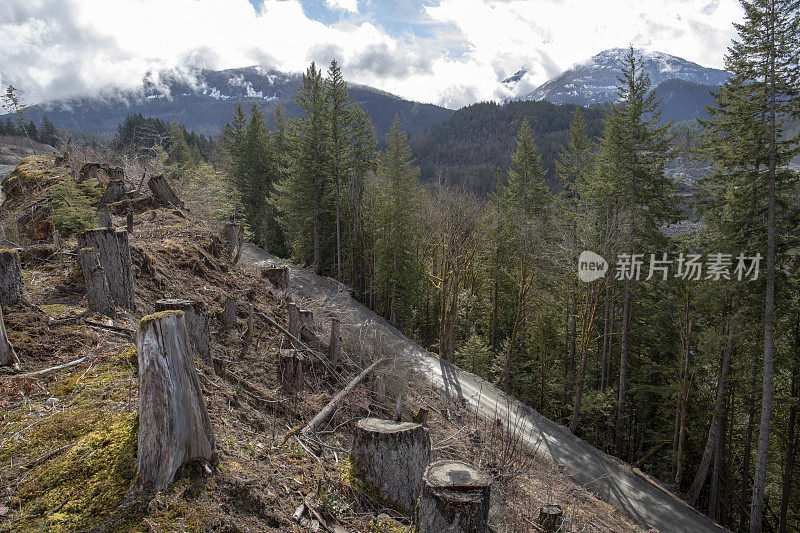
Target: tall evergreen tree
303,194
48,135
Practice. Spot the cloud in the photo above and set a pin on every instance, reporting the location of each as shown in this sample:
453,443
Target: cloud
346,5
452,53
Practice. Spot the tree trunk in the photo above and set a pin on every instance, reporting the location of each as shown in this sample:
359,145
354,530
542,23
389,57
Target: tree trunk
163,194
104,216
196,320
788,469
98,293
717,418
12,291
248,335
390,458
295,325
760,475
115,257
291,371
623,369
230,237
455,499
174,427
7,354
748,448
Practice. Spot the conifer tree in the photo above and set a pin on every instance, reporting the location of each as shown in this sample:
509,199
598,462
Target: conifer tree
362,151
634,151
48,135
303,194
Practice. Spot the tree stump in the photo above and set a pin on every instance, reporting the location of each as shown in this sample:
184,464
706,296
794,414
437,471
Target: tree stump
174,427
291,371
98,294
104,216
163,193
454,499
7,354
248,334
12,291
115,257
232,235
93,170
278,276
115,192
335,346
129,221
308,328
294,320
551,518
196,320
219,366
229,314
389,458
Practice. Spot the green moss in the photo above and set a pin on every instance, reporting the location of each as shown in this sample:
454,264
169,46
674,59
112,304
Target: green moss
155,316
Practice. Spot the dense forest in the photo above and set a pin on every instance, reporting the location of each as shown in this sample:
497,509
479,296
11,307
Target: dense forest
684,359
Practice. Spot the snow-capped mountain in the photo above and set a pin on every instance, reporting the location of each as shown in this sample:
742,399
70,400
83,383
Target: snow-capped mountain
203,101
595,80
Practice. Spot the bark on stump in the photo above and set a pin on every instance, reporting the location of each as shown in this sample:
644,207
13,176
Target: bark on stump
278,276
232,234
12,291
294,320
229,314
7,354
454,499
174,427
115,192
98,293
163,193
334,346
104,216
115,257
550,518
291,371
196,320
389,458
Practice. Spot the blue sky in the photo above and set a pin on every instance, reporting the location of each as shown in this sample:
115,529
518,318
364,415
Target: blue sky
447,52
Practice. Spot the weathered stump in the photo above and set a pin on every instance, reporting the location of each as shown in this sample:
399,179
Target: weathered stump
116,173
335,344
93,170
294,320
229,314
12,291
98,294
219,366
174,427
7,354
551,518
390,458
278,276
104,216
115,257
248,334
115,192
454,499
291,371
196,320
232,238
163,194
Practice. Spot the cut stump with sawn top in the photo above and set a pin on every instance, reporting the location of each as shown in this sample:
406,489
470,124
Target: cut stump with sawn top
454,499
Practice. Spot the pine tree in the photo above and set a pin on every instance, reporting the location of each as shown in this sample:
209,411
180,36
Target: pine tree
49,135
178,150
634,151
398,220
363,158
526,200
303,195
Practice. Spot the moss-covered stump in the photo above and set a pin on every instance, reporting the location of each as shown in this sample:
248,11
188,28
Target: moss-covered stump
454,499
98,293
389,458
174,426
196,320
12,291
114,253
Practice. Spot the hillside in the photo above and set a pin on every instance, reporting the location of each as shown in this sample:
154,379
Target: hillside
204,100
478,139
68,436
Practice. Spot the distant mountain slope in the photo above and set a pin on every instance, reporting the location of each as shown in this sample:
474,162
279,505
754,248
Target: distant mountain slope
204,102
477,139
684,100
595,80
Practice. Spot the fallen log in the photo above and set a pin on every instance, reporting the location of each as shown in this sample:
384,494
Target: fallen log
51,369
328,409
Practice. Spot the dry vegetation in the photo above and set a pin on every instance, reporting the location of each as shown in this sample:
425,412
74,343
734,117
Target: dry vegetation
68,438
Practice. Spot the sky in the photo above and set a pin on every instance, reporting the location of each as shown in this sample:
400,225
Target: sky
446,52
